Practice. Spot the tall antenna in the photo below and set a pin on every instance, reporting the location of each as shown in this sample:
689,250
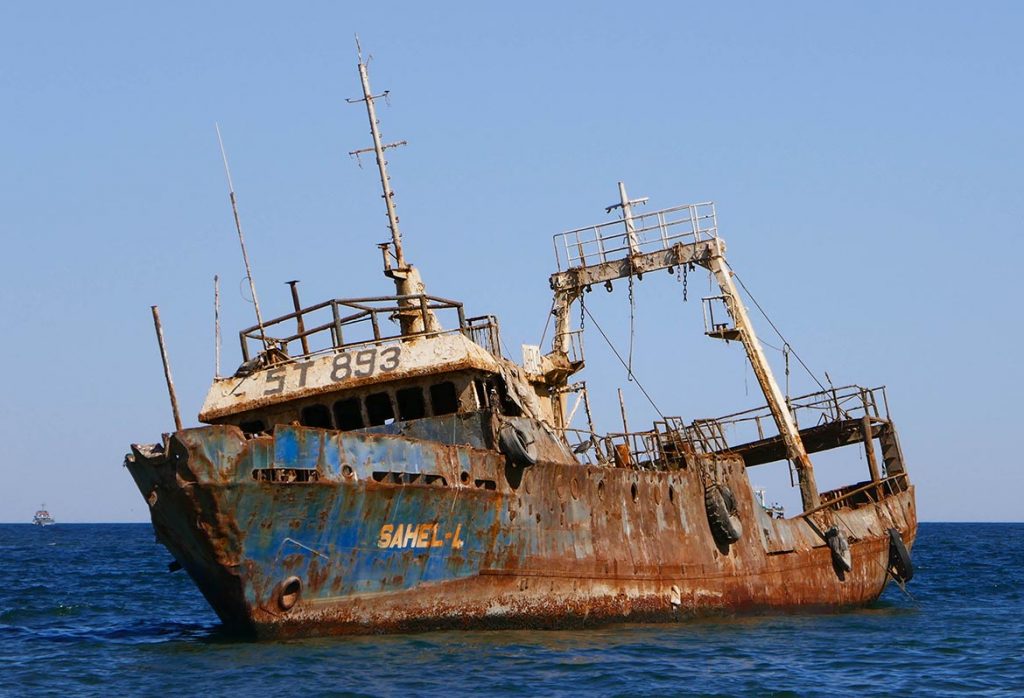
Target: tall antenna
241,239
378,149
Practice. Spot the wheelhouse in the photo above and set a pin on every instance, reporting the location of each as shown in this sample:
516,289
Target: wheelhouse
335,365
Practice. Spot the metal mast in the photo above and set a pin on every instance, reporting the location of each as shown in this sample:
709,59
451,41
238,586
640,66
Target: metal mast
413,315
378,150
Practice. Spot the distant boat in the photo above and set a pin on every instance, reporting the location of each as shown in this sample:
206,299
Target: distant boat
43,518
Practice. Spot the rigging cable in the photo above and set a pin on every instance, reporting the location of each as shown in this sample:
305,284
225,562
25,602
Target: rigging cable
632,315
621,361
547,322
785,341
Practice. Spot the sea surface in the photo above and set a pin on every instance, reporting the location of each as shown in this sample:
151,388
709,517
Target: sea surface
92,610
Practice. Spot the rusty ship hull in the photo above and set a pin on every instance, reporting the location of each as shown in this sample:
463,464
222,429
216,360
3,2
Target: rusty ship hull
392,533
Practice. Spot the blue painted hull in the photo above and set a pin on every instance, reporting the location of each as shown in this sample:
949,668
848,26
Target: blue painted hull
312,531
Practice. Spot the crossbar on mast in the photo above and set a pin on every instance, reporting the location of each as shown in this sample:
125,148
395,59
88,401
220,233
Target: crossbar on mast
378,148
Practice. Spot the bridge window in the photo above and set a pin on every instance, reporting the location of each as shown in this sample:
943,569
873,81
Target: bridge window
316,416
379,409
410,403
443,398
481,393
253,427
348,414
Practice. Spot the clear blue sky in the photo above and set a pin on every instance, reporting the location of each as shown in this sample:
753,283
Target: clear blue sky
866,161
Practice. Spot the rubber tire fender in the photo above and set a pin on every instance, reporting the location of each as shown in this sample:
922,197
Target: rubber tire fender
901,567
723,515
517,445
839,544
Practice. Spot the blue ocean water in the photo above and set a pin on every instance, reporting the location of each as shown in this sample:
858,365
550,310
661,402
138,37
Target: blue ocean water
92,610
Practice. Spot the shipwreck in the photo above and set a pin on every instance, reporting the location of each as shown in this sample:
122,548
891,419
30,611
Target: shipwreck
378,464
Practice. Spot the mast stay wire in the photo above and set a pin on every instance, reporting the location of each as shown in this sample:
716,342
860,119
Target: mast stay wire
630,374
547,323
632,333
776,329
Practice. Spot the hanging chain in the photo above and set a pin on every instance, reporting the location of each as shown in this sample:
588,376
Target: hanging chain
681,277
583,310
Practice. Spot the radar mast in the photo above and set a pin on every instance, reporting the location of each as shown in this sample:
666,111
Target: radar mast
414,319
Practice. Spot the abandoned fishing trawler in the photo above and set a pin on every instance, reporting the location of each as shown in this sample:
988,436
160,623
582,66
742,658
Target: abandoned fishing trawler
377,464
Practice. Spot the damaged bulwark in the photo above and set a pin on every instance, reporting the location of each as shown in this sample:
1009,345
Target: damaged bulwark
458,537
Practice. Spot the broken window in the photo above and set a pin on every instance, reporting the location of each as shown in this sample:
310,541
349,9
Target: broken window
508,405
481,393
410,403
348,414
443,398
252,427
316,416
379,409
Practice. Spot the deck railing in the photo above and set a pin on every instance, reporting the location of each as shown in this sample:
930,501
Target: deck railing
658,230
353,322
812,409
664,446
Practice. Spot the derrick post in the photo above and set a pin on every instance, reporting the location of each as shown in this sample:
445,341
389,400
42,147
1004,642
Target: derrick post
795,449
561,344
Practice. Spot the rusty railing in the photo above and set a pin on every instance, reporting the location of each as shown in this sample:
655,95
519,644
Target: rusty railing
659,230
812,409
353,322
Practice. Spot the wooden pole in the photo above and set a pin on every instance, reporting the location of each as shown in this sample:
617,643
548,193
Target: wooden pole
167,367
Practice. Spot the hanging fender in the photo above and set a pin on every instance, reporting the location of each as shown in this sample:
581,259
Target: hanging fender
517,445
723,515
839,545
901,567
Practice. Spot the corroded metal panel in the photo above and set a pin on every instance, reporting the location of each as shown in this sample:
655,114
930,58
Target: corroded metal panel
551,545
